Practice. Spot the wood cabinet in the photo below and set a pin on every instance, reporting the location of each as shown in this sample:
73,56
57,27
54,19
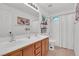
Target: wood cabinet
15,53
39,54
37,44
29,50
47,46
39,48
44,47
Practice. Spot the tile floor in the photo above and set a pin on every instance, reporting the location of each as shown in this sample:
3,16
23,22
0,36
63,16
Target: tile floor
59,51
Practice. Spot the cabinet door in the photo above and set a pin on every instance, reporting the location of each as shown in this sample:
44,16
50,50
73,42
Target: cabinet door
15,53
19,53
44,47
29,50
37,44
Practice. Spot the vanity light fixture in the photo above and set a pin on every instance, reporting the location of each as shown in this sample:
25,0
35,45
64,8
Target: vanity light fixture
33,6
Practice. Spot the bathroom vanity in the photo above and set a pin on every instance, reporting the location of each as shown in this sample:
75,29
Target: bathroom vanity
35,46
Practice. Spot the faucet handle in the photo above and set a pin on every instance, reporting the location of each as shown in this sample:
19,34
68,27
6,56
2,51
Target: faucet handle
11,34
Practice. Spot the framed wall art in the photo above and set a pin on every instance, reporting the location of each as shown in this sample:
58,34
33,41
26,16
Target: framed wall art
23,21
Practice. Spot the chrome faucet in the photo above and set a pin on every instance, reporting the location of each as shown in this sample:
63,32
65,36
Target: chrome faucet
11,37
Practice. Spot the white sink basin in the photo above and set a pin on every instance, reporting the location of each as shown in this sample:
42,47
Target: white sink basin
19,42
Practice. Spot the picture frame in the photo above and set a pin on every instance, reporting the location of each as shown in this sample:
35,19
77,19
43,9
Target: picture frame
23,21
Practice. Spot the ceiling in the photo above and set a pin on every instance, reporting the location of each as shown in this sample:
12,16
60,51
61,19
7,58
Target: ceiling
24,8
53,8
47,9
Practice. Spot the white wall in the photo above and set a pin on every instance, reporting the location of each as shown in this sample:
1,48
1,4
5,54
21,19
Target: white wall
76,36
8,21
76,39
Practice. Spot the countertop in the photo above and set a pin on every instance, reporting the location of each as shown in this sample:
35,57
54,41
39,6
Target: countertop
20,42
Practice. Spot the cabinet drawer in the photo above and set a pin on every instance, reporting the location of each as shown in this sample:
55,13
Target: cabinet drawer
39,54
38,51
37,44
